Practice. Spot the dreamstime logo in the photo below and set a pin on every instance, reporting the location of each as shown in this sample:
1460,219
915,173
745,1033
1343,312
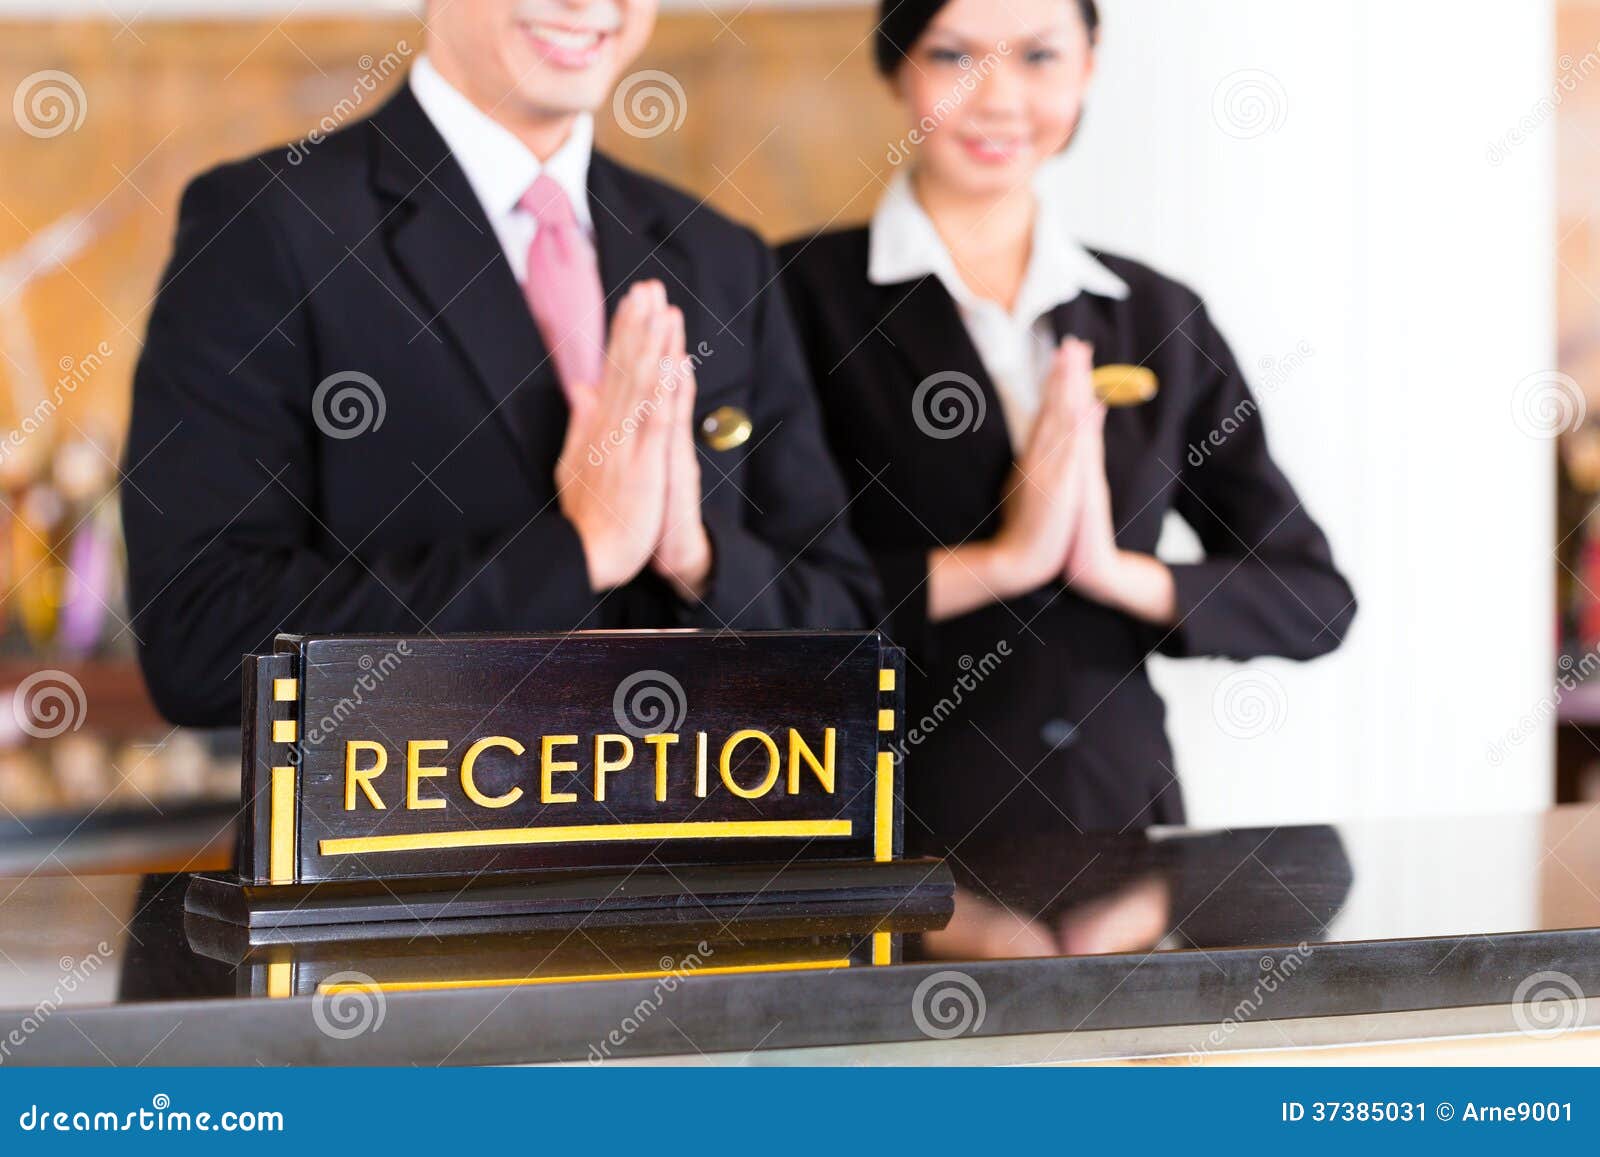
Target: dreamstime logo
649,703
649,103
1249,103
1249,704
348,404
49,103
49,703
347,1005
947,1005
1548,404
1548,1004
948,404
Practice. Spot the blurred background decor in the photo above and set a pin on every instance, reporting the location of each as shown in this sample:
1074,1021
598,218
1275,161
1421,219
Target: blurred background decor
1392,247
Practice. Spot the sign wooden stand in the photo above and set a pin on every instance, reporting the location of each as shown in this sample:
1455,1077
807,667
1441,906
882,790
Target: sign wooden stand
620,777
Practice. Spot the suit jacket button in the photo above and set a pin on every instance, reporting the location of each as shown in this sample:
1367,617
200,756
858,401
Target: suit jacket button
725,428
1058,733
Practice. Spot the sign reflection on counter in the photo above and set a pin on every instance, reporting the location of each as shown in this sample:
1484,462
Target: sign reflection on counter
479,754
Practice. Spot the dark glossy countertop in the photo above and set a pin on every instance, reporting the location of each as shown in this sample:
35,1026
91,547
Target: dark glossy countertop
1049,937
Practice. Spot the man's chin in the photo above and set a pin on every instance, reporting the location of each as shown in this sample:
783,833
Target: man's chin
556,94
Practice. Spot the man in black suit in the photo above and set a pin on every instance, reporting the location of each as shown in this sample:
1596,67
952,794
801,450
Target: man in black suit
373,399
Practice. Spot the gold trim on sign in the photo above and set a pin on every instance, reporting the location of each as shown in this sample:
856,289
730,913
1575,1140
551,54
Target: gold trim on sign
886,719
883,809
589,833
283,730
280,839
886,679
518,981
881,952
280,978
285,690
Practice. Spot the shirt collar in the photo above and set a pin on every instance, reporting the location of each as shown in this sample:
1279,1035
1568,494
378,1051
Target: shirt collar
499,167
903,245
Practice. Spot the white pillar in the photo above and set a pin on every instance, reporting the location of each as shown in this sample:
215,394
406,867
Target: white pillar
1322,174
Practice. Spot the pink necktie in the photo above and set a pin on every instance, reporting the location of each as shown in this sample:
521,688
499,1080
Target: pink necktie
563,287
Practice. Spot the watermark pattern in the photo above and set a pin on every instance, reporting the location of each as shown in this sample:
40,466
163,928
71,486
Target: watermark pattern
48,103
1548,1004
649,102
974,674
1569,75
673,374
947,1005
49,703
675,972
373,673
1574,672
649,703
74,373
373,74
348,404
971,75
1249,103
1275,972
348,1005
948,404
1275,372
1249,704
74,974
1548,404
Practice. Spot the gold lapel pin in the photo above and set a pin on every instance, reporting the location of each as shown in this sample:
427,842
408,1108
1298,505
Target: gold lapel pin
725,428
1125,385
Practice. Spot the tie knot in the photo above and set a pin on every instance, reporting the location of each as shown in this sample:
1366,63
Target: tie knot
549,204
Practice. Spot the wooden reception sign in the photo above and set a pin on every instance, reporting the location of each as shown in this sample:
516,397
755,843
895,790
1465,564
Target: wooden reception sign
481,756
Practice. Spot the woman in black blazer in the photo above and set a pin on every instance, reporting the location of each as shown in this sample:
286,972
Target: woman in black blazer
1012,518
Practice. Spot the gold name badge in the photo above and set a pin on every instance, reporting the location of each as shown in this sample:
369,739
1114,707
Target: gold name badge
1122,385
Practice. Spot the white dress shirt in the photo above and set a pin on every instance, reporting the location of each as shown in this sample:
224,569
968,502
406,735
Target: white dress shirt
1015,346
499,167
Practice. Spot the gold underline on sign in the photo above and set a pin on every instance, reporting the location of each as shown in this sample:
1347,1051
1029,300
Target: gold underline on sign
590,833
520,981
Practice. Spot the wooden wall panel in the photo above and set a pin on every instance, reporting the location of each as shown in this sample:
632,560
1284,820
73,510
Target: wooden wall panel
784,126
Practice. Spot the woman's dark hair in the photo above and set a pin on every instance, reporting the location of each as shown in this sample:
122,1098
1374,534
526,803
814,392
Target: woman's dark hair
901,24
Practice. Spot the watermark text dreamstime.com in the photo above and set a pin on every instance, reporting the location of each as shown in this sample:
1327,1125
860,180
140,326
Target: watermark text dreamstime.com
972,74
1274,374
1275,972
673,974
373,672
373,74
1570,74
75,974
974,673
74,373
1541,716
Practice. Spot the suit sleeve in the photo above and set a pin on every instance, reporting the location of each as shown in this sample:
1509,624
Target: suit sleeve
1268,584
219,500
788,558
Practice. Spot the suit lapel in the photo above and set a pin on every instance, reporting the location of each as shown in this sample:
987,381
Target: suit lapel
442,243
921,321
633,237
